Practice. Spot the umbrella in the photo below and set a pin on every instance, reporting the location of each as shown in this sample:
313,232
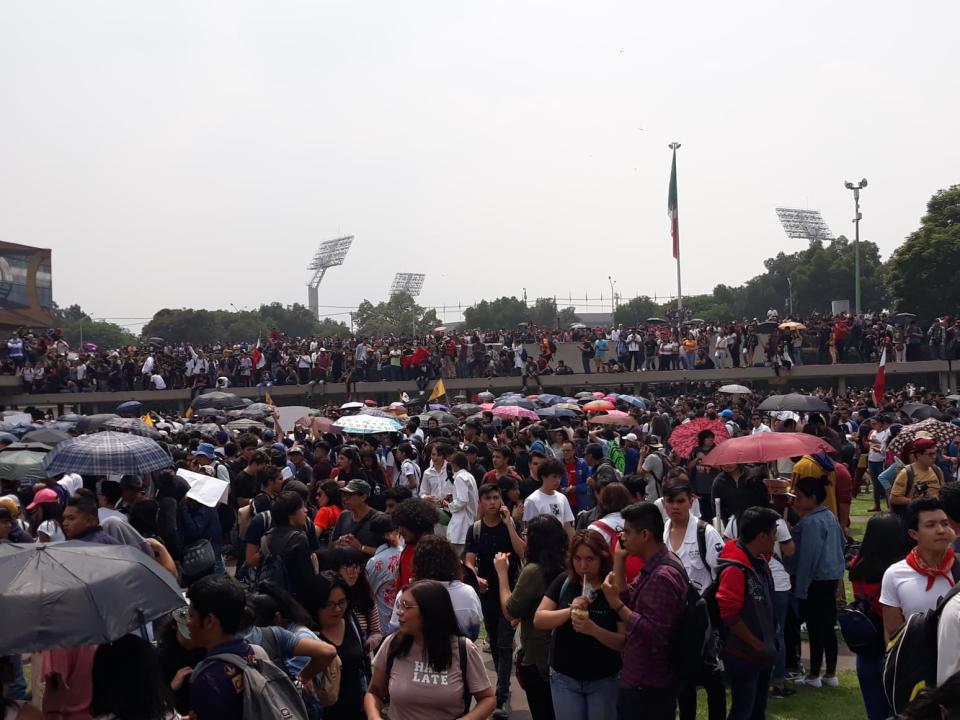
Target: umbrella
93,423
45,436
486,406
134,426
516,401
903,318
790,325
914,411
218,400
439,406
795,402
367,424
8,437
107,453
209,412
578,326
210,429
764,447
569,406
377,412
584,394
244,424
942,432
633,400
656,321
598,405
351,406
485,396
441,329
157,341
514,412
314,422
767,327
556,412
735,390
548,399
683,439
70,418
89,347
465,409
442,418
23,462
953,398
131,407
77,593
615,420
257,410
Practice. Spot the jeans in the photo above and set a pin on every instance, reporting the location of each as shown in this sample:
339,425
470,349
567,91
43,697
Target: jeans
781,602
587,360
716,698
878,492
636,361
870,675
537,688
583,699
749,685
649,703
819,611
17,688
500,636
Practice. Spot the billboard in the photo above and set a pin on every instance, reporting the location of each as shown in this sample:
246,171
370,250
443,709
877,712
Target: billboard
26,287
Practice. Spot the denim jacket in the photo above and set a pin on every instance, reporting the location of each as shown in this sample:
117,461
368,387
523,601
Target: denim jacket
819,554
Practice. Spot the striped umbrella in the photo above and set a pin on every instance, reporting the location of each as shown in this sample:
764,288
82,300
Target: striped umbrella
107,453
367,424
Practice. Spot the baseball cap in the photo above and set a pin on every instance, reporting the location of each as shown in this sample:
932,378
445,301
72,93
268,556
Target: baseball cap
279,447
470,448
11,503
295,449
205,449
726,412
43,496
356,486
631,437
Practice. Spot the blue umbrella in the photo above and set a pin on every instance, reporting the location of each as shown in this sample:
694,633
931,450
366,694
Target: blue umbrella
632,400
107,453
131,407
518,401
556,412
548,399
69,418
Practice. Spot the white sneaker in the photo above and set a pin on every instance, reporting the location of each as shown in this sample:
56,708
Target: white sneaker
811,681
830,680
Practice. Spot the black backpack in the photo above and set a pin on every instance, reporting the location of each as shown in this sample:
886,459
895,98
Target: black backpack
273,565
694,650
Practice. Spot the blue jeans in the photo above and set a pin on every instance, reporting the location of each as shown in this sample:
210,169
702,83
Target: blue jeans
870,675
17,689
878,492
583,699
749,685
781,601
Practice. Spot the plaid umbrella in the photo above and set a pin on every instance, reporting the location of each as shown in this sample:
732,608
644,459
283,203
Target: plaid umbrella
218,400
377,412
367,424
941,432
683,439
243,424
107,453
134,426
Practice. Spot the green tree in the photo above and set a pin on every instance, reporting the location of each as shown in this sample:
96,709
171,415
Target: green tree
400,315
636,311
502,313
921,272
78,328
332,328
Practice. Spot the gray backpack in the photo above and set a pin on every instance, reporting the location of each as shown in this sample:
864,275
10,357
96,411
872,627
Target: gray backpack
268,692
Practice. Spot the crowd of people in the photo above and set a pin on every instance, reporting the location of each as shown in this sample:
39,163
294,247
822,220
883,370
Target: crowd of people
47,364
609,567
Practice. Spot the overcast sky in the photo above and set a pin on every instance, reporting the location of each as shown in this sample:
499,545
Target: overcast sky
195,153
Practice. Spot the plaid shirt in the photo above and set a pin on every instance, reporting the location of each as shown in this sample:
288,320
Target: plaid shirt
656,599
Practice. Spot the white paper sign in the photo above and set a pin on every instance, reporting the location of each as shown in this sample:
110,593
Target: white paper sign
206,490
18,418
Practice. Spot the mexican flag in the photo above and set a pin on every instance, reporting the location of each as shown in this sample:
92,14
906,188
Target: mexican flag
879,382
672,208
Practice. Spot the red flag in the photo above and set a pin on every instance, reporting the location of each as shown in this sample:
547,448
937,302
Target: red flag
880,381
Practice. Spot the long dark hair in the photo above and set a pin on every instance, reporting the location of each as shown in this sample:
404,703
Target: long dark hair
547,543
434,602
332,490
883,545
360,594
127,683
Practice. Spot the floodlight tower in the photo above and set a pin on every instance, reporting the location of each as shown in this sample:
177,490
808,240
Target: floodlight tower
856,242
410,283
804,225
330,254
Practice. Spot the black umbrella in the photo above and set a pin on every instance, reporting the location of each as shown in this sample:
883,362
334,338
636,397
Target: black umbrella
556,412
767,327
94,423
465,409
48,437
218,400
923,412
208,412
76,593
794,402
656,321
518,401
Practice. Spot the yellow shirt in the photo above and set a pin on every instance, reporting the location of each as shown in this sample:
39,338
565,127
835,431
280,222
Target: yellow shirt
929,476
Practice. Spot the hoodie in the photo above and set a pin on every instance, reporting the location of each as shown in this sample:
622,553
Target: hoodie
745,592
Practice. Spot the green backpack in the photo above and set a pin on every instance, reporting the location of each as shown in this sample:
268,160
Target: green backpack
616,456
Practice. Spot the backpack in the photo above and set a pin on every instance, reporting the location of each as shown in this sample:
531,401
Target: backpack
908,487
616,457
273,567
696,645
328,689
268,691
911,662
633,564
861,627
464,668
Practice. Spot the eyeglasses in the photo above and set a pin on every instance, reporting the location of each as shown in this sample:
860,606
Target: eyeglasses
403,606
338,605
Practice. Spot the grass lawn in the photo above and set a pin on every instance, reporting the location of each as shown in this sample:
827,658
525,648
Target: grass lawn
811,703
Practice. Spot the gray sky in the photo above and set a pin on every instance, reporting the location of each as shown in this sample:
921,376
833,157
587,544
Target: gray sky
195,153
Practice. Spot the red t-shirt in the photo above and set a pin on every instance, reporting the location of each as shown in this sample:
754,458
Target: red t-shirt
406,566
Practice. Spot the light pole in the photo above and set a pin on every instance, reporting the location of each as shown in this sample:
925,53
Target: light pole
790,286
856,239
613,295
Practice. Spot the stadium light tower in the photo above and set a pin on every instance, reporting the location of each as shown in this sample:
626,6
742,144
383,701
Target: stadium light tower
330,254
856,241
410,283
804,224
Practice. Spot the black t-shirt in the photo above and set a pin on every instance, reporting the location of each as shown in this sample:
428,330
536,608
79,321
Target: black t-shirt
346,525
575,654
244,485
492,540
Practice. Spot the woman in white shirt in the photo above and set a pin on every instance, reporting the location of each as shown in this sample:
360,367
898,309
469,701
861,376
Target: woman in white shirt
46,513
463,505
435,483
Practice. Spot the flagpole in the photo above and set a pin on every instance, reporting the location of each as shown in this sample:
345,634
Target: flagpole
675,224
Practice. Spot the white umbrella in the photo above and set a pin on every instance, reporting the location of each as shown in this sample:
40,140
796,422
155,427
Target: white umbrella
352,405
735,390
367,424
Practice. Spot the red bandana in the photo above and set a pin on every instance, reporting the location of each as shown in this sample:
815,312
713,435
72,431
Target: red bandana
916,562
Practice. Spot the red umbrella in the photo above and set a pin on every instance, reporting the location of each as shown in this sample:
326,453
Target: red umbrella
313,422
683,439
765,447
598,405
615,420
514,411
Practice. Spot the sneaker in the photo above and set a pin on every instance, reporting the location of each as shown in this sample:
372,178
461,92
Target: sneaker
810,681
486,647
500,713
830,680
781,692
796,675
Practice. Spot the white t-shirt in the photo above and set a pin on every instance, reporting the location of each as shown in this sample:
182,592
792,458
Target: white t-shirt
699,572
51,528
905,588
694,508
539,503
948,640
761,428
781,579
879,438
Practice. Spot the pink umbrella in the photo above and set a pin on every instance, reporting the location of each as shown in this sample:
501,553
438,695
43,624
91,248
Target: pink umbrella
313,422
610,398
617,413
683,439
598,405
514,411
598,394
486,406
765,447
